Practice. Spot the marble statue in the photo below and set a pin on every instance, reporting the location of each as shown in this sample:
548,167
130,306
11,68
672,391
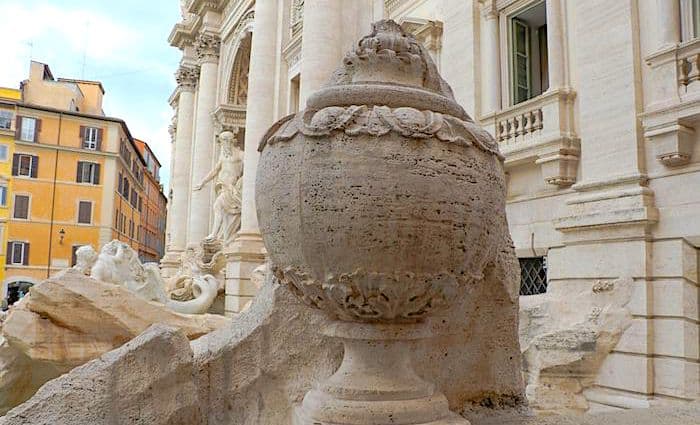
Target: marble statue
228,173
206,259
119,264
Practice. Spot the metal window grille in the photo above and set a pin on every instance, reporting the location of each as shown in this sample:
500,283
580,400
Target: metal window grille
533,276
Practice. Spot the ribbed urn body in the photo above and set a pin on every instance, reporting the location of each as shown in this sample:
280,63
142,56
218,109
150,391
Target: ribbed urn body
380,198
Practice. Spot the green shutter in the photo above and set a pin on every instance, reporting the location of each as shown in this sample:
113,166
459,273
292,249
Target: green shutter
520,50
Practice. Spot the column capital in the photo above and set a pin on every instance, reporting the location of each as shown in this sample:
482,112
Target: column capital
172,129
187,77
207,47
489,10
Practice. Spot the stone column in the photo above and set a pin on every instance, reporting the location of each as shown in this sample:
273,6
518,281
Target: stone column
180,184
321,47
555,44
207,47
668,19
492,69
247,251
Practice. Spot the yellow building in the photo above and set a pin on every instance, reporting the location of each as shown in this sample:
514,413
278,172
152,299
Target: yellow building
8,103
78,178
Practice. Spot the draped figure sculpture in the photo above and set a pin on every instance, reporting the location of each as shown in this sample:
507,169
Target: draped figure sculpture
228,173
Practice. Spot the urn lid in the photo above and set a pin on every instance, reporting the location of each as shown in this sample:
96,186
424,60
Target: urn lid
388,67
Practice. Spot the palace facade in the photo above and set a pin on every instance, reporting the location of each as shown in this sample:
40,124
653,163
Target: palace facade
594,104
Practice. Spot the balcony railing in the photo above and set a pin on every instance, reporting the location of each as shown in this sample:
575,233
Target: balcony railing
540,130
673,109
520,125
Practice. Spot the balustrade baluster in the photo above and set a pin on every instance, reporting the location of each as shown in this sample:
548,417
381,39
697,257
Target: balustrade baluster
683,66
694,72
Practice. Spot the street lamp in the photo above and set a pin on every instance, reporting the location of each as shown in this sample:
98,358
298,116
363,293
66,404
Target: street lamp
61,234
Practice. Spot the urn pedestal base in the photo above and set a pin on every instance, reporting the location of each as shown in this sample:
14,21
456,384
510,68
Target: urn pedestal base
376,383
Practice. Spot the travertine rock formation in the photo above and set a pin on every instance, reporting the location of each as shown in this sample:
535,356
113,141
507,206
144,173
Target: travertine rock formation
147,381
565,335
70,319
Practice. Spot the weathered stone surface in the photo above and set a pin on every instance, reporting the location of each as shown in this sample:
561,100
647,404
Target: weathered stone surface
70,319
679,414
147,381
565,335
254,371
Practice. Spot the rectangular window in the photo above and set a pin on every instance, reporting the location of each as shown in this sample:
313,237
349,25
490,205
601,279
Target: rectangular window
25,165
21,207
528,53
3,195
28,129
85,212
533,275
17,253
4,152
88,172
91,138
5,120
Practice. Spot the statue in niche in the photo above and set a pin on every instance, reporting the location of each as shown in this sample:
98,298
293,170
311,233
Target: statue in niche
228,173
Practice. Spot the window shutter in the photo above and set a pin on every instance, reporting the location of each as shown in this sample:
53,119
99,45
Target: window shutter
99,139
8,253
15,164
25,260
35,166
37,129
82,136
79,173
522,86
97,174
18,128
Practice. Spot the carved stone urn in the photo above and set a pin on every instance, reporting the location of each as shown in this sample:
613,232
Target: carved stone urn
376,204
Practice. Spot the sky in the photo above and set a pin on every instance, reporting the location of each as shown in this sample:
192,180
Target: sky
122,43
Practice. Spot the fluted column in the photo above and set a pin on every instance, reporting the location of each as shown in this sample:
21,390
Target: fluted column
187,80
247,251
555,44
492,69
178,208
321,46
207,47
668,18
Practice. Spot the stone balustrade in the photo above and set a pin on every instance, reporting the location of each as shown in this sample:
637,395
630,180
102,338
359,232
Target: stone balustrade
517,124
688,65
540,131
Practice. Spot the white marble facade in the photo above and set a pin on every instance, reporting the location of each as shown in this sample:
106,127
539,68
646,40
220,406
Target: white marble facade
602,153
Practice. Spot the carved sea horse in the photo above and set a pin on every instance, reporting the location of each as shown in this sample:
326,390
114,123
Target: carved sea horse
117,263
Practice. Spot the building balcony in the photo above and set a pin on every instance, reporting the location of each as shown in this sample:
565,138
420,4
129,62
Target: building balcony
540,131
671,118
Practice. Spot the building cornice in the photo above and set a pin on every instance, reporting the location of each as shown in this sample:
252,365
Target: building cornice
184,33
200,7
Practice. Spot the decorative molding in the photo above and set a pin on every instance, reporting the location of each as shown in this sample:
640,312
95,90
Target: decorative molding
372,296
207,47
229,117
381,120
201,6
672,144
246,20
428,32
391,6
297,17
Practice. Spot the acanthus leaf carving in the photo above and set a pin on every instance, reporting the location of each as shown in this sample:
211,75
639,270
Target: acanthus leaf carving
380,120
